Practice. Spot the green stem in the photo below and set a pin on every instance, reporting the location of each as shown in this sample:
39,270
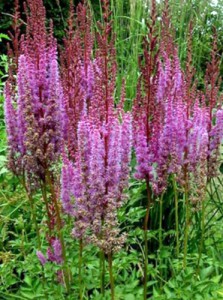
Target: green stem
61,13
202,234
176,217
145,264
146,221
160,232
59,228
45,200
102,272
22,244
44,284
160,223
187,220
33,211
112,285
102,260
80,268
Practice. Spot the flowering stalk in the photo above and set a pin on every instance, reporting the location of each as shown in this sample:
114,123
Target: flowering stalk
77,80
94,179
59,229
143,126
35,108
76,73
103,42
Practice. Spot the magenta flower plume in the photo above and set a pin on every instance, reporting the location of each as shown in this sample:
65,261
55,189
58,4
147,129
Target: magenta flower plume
89,190
56,256
14,160
41,257
95,177
176,128
66,188
215,141
213,102
173,126
37,112
54,253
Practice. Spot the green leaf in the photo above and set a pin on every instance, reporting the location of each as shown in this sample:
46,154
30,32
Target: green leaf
3,170
129,297
164,253
28,295
216,279
220,293
206,272
28,280
168,292
4,36
3,158
152,282
155,292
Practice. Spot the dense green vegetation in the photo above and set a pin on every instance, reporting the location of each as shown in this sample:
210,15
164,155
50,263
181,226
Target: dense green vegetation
21,274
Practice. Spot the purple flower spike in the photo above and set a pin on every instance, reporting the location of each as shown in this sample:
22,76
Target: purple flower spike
41,257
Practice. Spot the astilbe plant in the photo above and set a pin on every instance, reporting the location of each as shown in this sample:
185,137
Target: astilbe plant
198,128
147,118
93,185
173,124
33,113
15,152
77,81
